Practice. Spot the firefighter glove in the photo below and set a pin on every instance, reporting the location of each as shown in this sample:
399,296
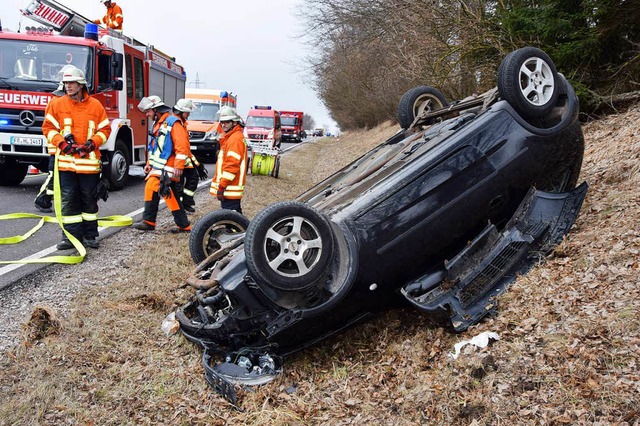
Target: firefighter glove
88,146
69,138
220,194
79,149
203,174
66,147
102,190
165,185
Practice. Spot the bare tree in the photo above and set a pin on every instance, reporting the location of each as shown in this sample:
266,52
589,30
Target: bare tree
364,54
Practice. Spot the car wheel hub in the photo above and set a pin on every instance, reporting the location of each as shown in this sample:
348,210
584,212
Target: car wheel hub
293,246
536,81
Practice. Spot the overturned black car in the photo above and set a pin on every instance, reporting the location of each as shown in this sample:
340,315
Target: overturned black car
441,216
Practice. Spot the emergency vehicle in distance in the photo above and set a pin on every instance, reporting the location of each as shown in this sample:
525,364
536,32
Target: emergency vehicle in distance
292,126
204,120
120,71
263,127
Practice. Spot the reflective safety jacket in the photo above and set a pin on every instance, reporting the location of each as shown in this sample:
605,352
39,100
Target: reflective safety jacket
86,120
231,167
113,18
169,147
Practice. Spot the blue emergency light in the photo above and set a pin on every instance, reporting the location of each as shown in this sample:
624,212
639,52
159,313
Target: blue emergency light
91,32
4,122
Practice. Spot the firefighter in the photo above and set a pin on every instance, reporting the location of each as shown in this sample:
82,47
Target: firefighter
77,124
113,18
193,172
231,167
166,155
190,183
44,199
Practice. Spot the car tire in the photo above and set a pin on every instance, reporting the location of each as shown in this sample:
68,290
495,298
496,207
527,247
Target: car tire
288,246
204,238
12,173
416,100
117,171
528,81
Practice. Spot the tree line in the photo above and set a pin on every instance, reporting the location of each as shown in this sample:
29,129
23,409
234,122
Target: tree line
366,53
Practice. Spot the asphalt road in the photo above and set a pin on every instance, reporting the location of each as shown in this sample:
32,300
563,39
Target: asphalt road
128,201
19,199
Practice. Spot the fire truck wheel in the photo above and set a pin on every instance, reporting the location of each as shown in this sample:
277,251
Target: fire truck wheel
118,169
12,172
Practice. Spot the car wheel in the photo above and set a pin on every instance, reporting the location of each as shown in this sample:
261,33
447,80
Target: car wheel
288,246
12,173
528,80
417,100
118,170
206,234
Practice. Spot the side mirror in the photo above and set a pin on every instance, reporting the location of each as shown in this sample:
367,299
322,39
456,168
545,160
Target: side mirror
117,85
117,63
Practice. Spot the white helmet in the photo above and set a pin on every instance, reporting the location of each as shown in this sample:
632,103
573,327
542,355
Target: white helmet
105,1
227,113
150,102
73,74
184,105
60,73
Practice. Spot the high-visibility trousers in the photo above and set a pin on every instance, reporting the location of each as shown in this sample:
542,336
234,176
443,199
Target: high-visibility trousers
152,200
79,204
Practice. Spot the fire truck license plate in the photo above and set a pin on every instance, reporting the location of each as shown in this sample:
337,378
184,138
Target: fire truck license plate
19,140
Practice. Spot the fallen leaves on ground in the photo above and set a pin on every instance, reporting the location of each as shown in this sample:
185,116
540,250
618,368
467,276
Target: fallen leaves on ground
570,330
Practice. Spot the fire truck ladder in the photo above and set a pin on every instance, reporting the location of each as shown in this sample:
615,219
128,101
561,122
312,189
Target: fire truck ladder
66,21
56,16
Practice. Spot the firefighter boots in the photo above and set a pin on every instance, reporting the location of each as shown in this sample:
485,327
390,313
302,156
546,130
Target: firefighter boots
143,226
91,243
64,245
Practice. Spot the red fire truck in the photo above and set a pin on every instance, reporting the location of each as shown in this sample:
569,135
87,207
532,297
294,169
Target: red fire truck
119,71
263,126
292,127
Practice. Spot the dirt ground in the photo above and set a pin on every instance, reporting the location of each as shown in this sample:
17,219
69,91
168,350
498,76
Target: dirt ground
568,353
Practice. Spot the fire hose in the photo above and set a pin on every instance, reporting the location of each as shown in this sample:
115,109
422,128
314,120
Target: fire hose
108,221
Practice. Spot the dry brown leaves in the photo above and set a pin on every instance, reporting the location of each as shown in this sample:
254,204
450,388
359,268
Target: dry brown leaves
43,323
569,349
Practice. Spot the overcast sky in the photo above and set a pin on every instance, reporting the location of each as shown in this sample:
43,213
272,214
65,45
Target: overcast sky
249,47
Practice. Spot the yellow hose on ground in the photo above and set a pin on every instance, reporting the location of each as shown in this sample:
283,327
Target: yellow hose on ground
116,220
